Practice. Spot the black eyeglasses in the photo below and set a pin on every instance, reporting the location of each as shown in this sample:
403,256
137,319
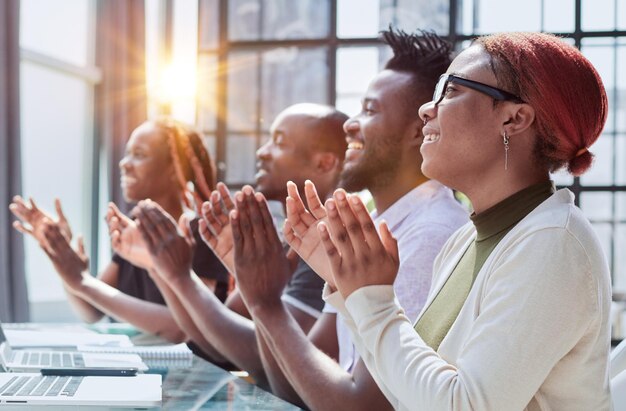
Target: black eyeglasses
493,92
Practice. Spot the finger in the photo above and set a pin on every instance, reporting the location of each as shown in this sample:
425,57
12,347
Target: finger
268,222
20,210
184,224
237,235
164,224
116,240
297,207
298,219
33,205
218,208
113,224
123,218
205,233
59,210
81,245
242,207
329,247
258,231
351,224
226,198
313,200
389,242
146,228
335,226
290,236
210,219
366,223
22,228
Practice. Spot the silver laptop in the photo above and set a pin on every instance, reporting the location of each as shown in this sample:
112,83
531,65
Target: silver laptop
34,360
143,390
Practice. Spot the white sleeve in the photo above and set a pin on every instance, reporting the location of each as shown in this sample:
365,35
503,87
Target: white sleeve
541,290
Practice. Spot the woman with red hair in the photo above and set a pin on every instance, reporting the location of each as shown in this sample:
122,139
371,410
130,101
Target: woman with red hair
517,316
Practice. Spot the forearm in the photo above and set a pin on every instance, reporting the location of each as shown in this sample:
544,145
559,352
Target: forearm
149,317
232,335
310,371
182,317
278,382
85,310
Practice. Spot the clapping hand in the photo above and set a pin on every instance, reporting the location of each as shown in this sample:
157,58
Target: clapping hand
214,226
358,255
69,263
126,240
301,229
32,219
171,250
261,266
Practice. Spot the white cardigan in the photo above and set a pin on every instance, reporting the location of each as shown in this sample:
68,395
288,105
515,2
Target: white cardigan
533,333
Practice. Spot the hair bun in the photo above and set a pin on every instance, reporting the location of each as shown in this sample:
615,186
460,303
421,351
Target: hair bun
580,163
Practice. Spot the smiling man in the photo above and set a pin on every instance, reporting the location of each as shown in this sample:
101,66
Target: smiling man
383,156
307,142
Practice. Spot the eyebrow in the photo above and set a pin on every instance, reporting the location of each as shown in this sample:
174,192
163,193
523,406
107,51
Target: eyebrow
457,74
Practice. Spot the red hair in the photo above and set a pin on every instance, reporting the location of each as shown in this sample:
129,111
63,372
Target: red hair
562,86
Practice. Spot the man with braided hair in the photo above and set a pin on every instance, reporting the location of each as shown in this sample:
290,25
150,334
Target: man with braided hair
166,162
323,371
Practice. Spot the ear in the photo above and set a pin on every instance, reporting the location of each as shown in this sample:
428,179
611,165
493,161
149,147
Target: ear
325,161
416,138
518,119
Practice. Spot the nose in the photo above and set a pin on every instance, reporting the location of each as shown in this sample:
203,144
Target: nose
264,151
124,163
350,125
428,111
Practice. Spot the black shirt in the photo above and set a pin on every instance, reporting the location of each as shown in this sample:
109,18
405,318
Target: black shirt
136,281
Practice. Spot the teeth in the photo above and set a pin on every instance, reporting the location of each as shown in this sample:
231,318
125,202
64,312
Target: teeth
431,137
355,145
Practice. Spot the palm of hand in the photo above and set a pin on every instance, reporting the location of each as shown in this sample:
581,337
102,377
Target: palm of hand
224,248
311,249
131,245
38,219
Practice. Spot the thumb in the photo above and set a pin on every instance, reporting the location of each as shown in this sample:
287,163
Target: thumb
389,242
293,258
59,209
184,224
81,245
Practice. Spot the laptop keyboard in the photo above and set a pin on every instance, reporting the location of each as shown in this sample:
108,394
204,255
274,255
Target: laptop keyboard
52,359
49,386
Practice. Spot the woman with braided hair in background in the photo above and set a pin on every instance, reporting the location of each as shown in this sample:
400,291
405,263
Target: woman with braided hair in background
166,162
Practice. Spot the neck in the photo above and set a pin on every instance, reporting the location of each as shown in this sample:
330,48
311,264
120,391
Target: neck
486,195
385,197
171,204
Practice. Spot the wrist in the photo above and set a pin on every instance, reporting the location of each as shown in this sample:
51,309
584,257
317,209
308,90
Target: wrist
265,307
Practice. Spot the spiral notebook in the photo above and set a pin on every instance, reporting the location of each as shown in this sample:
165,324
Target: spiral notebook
148,352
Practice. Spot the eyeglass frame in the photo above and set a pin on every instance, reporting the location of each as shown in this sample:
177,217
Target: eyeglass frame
493,92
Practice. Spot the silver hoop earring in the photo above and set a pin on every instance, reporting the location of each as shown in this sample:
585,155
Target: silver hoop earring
505,140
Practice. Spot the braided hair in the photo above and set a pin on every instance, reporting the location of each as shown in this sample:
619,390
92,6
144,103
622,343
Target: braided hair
195,171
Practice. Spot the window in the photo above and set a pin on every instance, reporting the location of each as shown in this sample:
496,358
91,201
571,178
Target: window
329,53
57,85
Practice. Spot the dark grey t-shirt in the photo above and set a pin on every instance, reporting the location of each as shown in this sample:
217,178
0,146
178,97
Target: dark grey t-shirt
304,290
